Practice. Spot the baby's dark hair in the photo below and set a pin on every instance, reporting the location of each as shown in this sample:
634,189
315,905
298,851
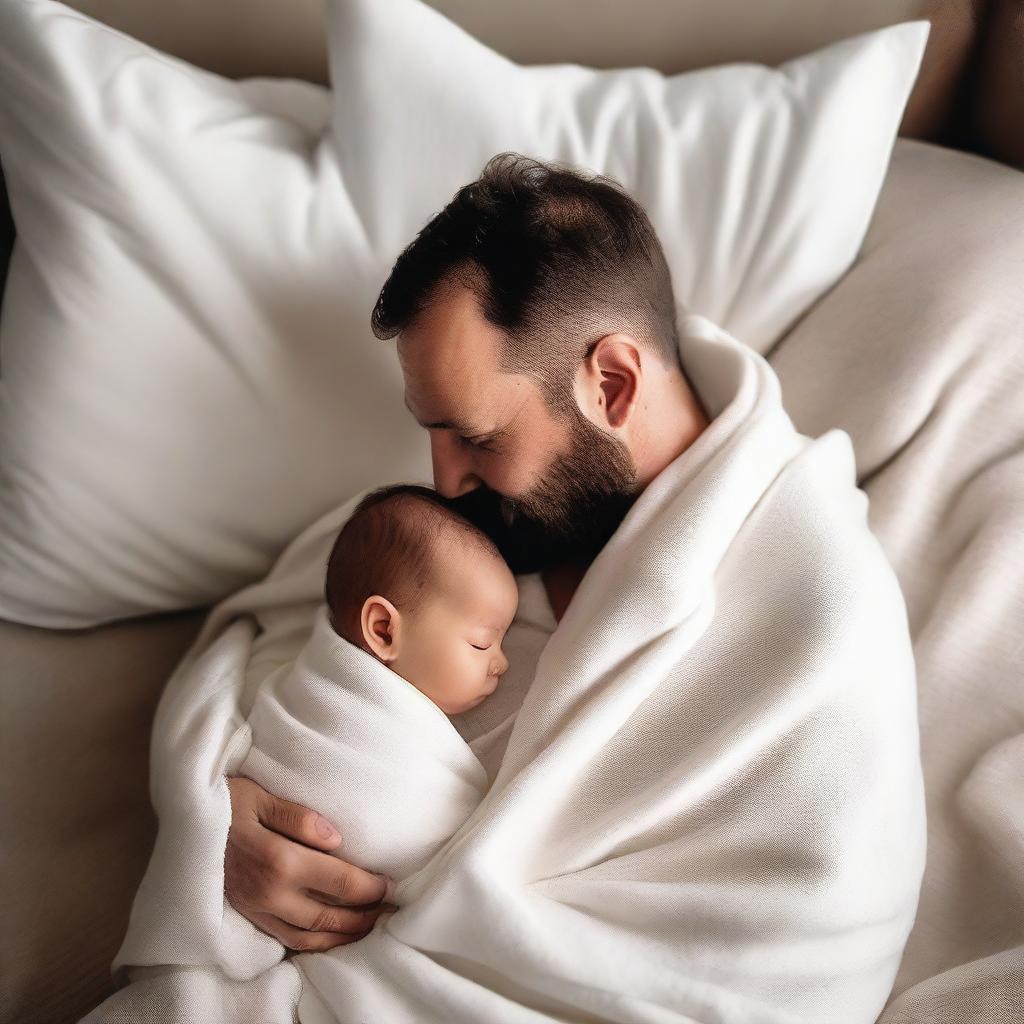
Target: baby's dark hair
390,546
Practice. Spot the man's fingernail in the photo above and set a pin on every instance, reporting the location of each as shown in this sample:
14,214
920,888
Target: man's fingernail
389,887
325,829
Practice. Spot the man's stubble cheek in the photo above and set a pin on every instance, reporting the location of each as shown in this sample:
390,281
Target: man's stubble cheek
580,502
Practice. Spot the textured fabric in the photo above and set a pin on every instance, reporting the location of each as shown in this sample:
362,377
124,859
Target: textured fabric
76,825
919,356
710,805
188,302
339,731
669,35
206,996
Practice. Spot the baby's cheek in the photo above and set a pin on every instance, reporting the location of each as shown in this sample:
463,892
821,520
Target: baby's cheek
464,675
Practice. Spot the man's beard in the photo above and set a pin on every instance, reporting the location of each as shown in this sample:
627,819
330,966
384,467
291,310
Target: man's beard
571,513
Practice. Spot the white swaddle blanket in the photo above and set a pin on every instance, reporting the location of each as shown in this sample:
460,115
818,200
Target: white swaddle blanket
710,807
339,731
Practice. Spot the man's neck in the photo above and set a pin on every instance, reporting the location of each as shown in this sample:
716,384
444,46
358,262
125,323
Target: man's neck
672,425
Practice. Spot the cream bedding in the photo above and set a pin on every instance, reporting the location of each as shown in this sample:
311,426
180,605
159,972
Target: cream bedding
919,355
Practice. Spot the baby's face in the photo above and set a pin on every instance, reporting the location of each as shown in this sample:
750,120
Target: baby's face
451,646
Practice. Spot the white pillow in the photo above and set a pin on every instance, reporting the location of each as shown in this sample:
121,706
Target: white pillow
189,377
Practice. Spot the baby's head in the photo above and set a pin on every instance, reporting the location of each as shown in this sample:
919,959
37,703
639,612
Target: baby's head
423,590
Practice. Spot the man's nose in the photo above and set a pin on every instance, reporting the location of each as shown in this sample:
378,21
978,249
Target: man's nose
453,471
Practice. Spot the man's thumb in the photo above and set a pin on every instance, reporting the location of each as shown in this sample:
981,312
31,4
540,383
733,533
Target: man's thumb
297,822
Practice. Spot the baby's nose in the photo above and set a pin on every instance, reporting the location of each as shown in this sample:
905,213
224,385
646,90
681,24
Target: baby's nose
500,666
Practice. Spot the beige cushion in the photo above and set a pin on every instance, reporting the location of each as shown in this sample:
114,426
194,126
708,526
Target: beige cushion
75,821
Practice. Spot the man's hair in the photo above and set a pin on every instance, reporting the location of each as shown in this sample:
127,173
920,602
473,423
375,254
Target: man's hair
556,259
392,545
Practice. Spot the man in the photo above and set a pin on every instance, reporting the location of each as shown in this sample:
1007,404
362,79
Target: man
537,337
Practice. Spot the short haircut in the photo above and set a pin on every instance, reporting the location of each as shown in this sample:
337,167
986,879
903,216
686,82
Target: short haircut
392,545
556,258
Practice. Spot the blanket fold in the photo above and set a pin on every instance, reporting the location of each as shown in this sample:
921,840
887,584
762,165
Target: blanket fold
339,731
710,807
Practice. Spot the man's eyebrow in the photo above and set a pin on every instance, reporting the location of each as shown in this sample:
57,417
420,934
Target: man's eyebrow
445,424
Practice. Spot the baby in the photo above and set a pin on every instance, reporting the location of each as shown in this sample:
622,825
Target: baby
424,591
418,602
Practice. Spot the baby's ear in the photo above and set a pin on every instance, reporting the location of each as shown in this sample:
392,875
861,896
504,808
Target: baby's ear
380,623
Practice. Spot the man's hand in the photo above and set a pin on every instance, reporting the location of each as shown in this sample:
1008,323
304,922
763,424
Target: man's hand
277,876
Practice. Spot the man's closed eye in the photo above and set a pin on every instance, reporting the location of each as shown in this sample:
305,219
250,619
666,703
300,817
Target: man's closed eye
483,443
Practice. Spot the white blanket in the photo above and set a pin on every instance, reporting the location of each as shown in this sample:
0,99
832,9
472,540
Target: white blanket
340,732
710,807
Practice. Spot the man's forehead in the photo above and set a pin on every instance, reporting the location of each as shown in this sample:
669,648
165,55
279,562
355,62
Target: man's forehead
449,358
448,335
440,393
426,414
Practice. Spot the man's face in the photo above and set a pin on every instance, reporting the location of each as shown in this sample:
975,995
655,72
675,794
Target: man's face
548,488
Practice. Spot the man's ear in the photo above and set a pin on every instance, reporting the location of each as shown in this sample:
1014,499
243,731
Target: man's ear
608,381
381,625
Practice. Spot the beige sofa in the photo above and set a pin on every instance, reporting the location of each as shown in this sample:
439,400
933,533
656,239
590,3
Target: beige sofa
77,705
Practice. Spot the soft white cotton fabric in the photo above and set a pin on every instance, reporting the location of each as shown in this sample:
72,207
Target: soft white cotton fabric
710,806
339,731
919,356
188,372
